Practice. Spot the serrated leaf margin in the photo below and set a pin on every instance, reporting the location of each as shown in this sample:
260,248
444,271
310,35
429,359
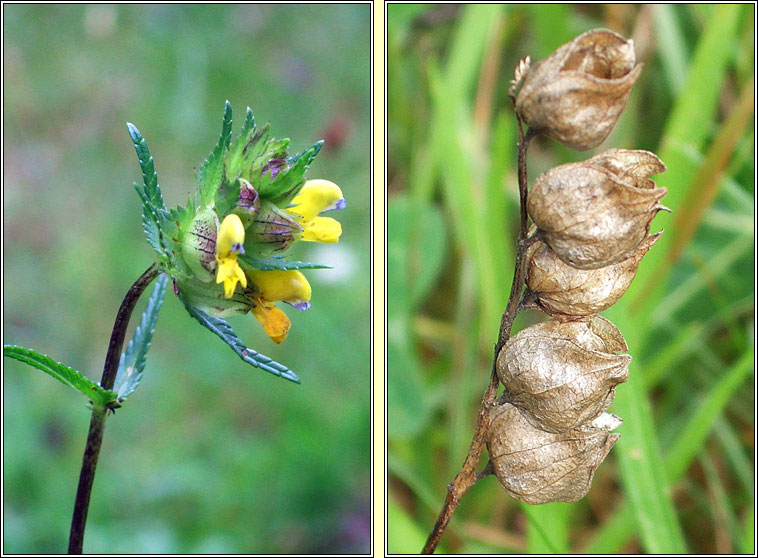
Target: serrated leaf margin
132,362
221,327
64,374
279,263
212,171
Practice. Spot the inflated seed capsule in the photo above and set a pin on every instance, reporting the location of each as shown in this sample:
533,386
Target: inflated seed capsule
537,467
597,212
561,375
566,292
577,94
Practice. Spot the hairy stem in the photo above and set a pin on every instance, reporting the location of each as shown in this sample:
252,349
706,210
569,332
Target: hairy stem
467,476
97,423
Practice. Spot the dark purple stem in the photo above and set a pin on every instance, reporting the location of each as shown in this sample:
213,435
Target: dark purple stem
97,423
468,476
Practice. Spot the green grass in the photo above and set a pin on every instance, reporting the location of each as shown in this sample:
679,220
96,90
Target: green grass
209,454
678,479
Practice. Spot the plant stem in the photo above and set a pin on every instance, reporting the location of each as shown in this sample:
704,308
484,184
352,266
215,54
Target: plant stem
97,423
467,476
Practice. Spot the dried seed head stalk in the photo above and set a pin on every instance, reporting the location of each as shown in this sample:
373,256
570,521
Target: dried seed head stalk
591,229
549,431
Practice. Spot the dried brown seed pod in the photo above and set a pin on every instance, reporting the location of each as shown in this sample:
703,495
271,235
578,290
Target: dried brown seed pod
537,467
561,375
576,95
566,292
597,212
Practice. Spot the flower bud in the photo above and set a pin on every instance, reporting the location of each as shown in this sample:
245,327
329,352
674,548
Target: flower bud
561,375
597,212
199,245
566,292
576,95
249,202
275,166
537,467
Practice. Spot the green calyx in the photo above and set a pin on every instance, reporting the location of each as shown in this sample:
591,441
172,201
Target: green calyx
209,297
199,245
271,231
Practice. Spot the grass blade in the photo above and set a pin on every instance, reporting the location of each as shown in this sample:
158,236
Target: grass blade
621,527
682,143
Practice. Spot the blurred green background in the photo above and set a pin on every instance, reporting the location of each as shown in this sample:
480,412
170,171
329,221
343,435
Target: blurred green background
209,454
681,478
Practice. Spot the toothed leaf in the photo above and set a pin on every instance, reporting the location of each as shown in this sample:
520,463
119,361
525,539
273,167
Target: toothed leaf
221,327
132,362
62,373
212,171
279,263
235,150
150,225
151,189
252,150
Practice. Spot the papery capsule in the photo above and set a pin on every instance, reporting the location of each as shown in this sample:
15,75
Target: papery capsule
566,292
576,95
537,467
597,212
561,375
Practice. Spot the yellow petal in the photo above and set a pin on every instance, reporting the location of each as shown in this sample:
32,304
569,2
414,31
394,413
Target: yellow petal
230,273
275,323
322,229
314,197
289,286
231,236
229,286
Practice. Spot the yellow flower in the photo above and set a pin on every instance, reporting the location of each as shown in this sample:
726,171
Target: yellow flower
288,286
318,196
275,323
278,285
231,236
